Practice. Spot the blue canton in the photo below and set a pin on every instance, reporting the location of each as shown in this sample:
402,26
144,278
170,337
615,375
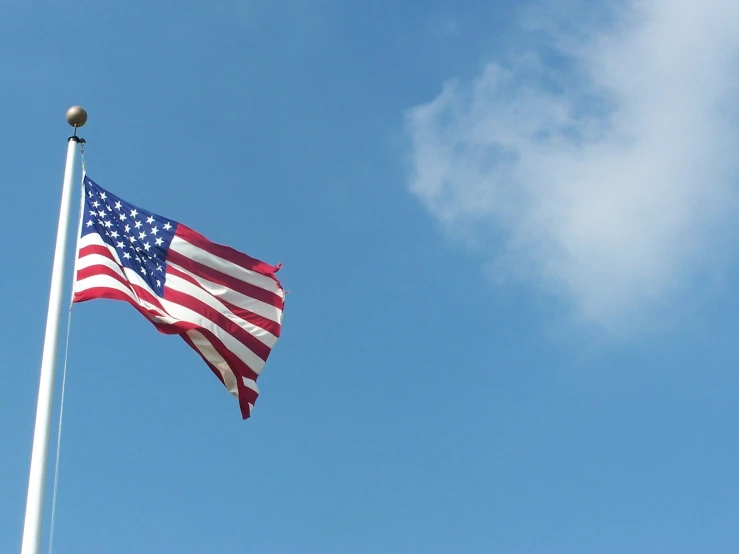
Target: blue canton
140,238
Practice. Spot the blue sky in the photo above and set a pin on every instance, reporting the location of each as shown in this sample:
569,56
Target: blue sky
508,234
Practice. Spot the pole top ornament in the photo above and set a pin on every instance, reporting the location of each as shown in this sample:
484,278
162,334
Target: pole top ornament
76,116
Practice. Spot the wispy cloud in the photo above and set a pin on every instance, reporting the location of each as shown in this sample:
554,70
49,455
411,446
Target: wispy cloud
606,160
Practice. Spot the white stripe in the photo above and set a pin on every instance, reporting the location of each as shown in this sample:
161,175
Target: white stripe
94,239
212,261
250,384
98,259
231,296
177,311
204,346
201,343
183,286
127,274
239,350
219,291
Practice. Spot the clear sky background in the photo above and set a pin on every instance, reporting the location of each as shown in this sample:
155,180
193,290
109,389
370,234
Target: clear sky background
509,235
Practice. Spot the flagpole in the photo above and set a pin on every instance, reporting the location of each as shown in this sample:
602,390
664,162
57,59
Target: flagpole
32,527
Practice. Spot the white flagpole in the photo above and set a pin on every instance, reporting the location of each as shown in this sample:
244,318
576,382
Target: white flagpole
32,527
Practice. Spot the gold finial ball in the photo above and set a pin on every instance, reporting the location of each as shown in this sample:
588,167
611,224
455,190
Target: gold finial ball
76,116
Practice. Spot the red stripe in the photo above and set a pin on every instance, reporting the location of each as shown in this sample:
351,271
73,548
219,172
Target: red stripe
255,319
226,252
114,294
246,395
243,405
201,308
98,269
247,289
240,369
141,292
213,368
95,249
207,312
236,364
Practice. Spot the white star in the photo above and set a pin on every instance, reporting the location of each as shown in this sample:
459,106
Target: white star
143,270
95,204
142,235
93,213
154,230
108,224
147,246
122,216
89,193
114,234
159,267
89,224
134,213
120,244
167,226
103,195
118,205
131,239
138,224
101,222
126,255
159,283
102,213
159,241
127,228
150,220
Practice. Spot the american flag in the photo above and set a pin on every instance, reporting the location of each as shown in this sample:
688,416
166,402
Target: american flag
224,304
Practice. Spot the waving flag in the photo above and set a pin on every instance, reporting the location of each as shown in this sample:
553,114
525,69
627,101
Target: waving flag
224,304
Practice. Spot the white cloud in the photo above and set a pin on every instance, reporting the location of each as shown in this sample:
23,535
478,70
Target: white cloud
611,173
